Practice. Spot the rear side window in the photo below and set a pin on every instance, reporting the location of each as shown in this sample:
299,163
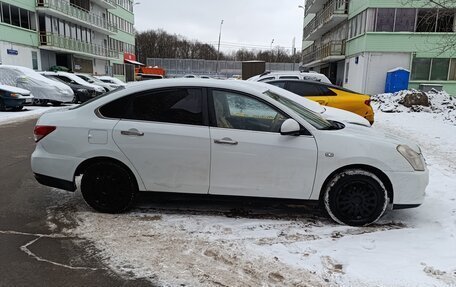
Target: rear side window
181,106
304,89
116,109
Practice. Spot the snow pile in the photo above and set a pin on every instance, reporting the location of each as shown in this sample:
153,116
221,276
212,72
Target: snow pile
440,103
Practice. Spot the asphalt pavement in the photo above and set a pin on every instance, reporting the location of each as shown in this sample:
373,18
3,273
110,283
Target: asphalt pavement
30,253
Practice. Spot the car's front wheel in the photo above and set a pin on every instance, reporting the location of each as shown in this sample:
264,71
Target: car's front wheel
108,187
355,197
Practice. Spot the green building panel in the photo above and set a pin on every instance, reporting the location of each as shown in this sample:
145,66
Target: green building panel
14,34
427,45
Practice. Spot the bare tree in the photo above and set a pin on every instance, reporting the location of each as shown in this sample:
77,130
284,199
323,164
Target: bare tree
160,44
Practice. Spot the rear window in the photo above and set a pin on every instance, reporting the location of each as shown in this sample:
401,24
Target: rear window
289,78
304,89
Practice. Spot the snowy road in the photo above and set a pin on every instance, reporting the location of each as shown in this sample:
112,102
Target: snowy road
200,246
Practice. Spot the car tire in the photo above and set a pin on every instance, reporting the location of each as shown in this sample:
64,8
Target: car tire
16,109
2,105
75,100
40,102
108,187
355,197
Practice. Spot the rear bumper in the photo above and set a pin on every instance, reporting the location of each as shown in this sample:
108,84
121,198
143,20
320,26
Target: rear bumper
55,182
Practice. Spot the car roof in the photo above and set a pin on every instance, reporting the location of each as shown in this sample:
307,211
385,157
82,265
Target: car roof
314,83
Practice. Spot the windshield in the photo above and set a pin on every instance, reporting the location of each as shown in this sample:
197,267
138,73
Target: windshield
311,117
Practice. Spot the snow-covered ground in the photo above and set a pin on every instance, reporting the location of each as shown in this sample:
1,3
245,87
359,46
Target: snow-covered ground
199,245
28,112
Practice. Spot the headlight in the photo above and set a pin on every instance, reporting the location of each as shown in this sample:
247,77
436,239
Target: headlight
415,159
81,91
14,95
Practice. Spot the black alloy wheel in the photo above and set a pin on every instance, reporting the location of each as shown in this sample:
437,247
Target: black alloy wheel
108,187
355,197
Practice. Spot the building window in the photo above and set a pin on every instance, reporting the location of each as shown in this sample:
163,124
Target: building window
385,20
445,22
421,69
427,19
433,69
118,69
452,76
16,16
439,71
6,13
35,60
405,20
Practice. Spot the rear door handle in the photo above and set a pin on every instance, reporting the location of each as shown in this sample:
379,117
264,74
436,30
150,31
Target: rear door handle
227,141
132,132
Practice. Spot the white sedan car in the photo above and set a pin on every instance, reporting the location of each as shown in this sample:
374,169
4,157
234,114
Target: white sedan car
224,138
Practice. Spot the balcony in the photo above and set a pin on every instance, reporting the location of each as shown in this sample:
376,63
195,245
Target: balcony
313,6
335,12
54,42
107,4
330,52
66,11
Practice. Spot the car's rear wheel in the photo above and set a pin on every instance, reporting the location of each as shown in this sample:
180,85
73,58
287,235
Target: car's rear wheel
355,197
108,187
2,105
19,108
40,102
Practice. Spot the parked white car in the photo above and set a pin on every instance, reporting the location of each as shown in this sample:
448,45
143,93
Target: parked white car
96,81
44,90
73,79
114,82
224,138
290,75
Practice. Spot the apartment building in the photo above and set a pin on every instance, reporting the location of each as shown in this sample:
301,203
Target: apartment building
356,42
87,36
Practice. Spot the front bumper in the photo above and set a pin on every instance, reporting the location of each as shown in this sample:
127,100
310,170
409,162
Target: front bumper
409,188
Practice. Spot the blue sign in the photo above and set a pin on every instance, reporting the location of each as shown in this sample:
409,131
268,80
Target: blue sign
12,52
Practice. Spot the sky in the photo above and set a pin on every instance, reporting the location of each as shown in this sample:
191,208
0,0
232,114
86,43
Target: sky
247,23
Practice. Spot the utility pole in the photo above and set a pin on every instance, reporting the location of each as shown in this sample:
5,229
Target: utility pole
218,49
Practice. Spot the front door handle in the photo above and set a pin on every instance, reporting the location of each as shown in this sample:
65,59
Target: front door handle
227,141
132,132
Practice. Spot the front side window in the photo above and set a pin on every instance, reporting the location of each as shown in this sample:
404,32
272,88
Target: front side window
311,117
180,106
238,111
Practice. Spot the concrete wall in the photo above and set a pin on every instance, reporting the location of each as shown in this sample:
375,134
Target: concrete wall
23,58
369,75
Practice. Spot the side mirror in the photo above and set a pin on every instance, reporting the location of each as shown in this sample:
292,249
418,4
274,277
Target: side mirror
290,127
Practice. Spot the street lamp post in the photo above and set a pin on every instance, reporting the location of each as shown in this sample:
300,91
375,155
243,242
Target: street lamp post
218,49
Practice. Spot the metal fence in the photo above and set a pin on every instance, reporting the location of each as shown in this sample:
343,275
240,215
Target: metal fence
180,67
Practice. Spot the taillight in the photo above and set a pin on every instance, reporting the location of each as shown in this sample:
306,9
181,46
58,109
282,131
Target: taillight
41,131
367,102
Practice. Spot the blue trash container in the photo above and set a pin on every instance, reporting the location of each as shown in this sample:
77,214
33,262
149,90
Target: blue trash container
397,80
